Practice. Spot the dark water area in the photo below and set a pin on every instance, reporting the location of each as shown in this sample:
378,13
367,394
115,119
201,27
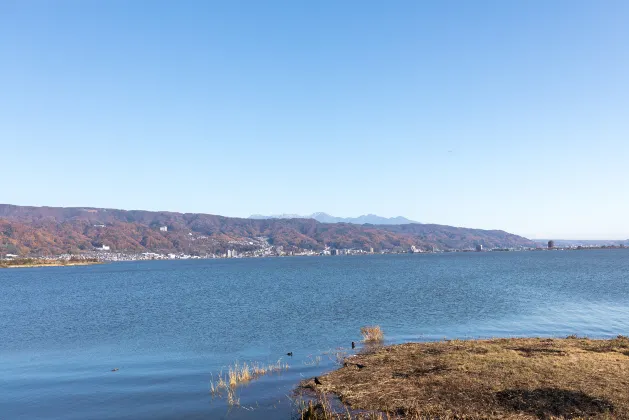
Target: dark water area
172,326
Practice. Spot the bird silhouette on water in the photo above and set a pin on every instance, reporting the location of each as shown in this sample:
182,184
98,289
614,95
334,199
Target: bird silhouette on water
290,353
353,345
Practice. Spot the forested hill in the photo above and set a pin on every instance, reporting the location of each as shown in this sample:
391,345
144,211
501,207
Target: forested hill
56,230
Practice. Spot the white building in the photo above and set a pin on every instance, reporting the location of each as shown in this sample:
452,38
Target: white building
163,229
105,247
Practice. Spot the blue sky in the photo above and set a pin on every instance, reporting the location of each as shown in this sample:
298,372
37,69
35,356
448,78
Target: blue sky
490,114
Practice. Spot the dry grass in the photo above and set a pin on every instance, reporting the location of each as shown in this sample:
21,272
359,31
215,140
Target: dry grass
322,408
372,334
525,378
319,409
312,361
238,374
232,398
337,355
41,262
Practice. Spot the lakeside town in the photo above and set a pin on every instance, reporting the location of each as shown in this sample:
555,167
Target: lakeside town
106,254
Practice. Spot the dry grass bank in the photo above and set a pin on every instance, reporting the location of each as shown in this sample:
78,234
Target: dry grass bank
32,262
525,378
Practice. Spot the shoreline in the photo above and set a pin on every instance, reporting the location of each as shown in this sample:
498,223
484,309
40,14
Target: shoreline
124,257
51,264
523,378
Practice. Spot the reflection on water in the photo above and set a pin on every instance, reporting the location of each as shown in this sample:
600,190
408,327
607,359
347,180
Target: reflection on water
170,327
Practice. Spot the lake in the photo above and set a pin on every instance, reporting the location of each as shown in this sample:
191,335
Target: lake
170,327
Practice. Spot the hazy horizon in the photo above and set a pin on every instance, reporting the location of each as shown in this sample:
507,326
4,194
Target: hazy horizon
490,114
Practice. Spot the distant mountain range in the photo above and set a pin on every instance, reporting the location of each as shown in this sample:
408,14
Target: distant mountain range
40,231
326,218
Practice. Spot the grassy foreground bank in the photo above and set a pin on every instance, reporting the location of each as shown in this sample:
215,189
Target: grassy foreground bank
523,378
33,262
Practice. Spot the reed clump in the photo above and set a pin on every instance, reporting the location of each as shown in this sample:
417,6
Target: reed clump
318,409
239,374
312,361
218,385
372,334
232,398
337,355
262,369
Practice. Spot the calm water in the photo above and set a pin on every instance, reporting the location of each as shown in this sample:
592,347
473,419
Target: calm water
170,325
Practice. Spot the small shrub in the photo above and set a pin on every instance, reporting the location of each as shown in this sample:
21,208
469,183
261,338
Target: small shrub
372,334
620,341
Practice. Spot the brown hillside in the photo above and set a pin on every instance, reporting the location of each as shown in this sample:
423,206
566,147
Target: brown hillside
55,230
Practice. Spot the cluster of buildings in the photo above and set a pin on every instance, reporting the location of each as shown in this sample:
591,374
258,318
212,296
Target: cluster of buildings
552,246
261,247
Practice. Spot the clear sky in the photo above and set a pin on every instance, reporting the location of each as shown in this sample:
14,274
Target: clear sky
506,115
